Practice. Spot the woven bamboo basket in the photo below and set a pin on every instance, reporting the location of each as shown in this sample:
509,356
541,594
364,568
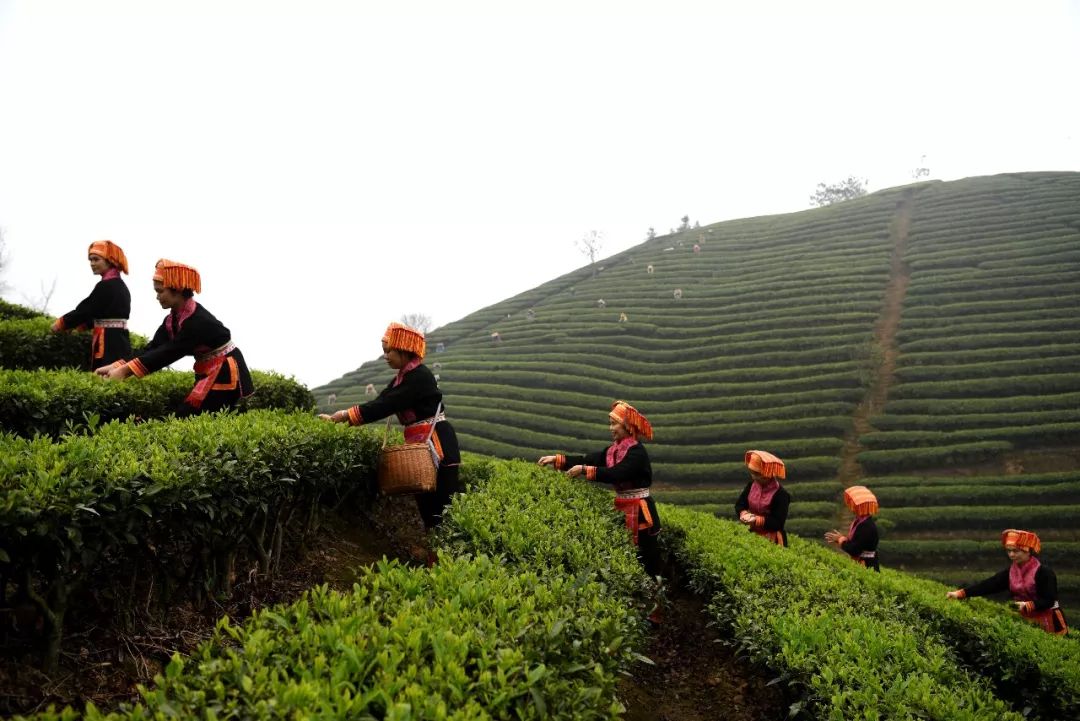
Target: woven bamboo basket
405,469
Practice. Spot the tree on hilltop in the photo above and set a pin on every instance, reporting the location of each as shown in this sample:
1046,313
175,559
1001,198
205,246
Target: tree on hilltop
420,321
590,246
848,188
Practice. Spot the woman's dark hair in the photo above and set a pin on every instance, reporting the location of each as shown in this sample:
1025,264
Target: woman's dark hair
187,293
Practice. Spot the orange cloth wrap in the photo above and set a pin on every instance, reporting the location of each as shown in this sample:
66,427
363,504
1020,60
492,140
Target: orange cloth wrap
211,369
861,501
624,413
630,508
111,252
1024,540
177,275
766,464
401,337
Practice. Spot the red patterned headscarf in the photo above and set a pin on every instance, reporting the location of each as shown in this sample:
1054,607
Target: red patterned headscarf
1024,540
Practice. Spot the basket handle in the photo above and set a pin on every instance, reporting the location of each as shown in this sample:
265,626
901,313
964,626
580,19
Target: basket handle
386,433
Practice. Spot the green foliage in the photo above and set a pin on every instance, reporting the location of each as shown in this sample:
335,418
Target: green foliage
168,503
850,656
538,627
27,343
13,311
59,401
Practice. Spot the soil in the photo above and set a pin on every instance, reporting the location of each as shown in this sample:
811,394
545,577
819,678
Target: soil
695,675
103,664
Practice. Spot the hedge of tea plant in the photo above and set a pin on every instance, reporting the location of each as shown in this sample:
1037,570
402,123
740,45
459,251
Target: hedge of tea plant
166,504
838,632
52,402
533,610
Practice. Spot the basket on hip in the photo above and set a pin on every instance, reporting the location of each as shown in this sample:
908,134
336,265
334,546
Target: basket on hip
406,468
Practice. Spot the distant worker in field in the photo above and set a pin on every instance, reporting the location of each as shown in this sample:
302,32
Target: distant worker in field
414,396
623,318
369,390
861,540
221,374
625,465
1032,584
601,304
763,504
106,310
678,294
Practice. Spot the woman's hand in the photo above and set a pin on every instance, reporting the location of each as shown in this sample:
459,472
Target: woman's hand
546,461
336,416
1020,605
747,517
953,595
56,327
576,471
832,536
111,373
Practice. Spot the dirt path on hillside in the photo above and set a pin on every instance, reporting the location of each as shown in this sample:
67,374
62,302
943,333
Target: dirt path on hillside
885,351
695,676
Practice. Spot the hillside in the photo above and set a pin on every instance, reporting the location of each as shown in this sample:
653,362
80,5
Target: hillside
923,337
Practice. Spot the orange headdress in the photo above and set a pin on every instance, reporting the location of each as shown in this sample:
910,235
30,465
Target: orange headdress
402,337
1024,540
177,275
766,464
623,412
111,252
861,501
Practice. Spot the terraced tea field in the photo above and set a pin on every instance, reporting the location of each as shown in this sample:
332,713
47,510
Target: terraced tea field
922,340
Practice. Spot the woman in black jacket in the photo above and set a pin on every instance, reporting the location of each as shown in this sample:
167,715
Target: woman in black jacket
625,465
1032,584
763,504
106,310
414,396
861,541
221,374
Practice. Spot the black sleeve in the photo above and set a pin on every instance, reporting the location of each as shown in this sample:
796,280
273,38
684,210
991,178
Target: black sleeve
93,306
778,510
163,350
415,386
1045,588
742,503
634,466
589,459
161,337
865,538
995,584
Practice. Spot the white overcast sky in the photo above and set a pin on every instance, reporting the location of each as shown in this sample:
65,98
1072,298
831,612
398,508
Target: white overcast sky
329,166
